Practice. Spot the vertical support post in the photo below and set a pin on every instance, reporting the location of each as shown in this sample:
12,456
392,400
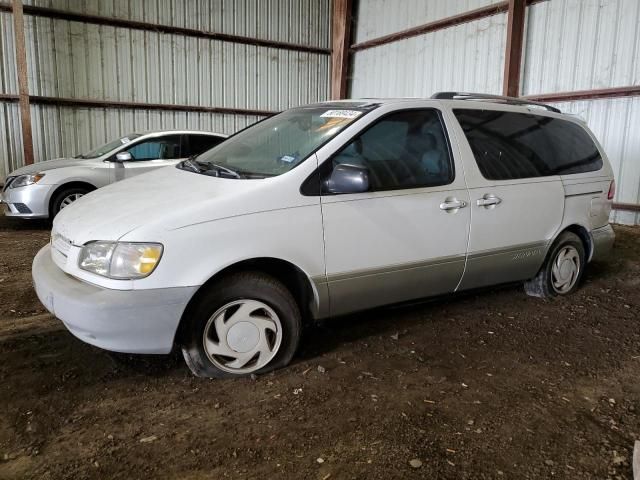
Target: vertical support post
513,54
341,36
23,81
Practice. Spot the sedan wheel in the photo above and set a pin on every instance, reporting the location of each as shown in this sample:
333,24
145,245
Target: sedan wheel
69,199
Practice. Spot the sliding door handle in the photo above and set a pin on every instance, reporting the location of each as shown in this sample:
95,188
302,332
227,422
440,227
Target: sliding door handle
488,201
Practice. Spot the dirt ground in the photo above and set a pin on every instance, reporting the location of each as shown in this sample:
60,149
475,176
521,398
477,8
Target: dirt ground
490,384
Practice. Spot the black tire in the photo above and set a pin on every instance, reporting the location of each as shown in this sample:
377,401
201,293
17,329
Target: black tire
542,285
56,202
250,286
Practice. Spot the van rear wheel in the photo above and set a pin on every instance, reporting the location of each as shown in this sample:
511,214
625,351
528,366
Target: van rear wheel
247,323
562,270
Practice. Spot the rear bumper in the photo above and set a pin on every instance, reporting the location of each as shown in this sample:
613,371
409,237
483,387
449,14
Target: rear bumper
31,201
603,239
128,321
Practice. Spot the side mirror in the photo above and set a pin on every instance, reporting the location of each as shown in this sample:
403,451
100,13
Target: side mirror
347,178
123,157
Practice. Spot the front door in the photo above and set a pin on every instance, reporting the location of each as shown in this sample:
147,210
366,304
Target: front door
149,155
516,204
406,237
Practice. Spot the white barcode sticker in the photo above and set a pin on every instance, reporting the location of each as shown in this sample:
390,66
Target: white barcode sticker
341,114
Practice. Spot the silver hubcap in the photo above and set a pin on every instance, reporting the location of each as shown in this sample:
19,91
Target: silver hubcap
243,336
565,270
69,199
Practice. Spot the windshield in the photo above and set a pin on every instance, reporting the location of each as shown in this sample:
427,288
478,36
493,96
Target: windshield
106,148
279,143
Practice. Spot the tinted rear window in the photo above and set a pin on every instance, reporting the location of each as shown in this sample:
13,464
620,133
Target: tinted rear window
510,145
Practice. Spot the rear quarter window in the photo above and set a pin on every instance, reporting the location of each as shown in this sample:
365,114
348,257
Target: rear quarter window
510,145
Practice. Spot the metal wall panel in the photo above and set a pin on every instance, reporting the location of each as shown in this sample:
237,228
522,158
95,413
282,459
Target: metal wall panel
581,45
295,21
67,131
11,153
82,60
467,57
79,60
615,124
376,18
8,71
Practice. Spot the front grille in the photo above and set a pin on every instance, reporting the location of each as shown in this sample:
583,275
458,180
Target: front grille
7,182
22,208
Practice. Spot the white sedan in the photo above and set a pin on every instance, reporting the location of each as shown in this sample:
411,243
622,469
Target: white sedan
43,189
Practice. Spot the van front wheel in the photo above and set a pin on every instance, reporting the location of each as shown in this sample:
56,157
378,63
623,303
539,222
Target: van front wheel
247,323
562,270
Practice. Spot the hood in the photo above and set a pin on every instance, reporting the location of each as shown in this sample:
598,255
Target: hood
166,199
47,165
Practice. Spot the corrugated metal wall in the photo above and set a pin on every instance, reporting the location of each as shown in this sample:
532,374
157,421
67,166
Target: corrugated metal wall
464,57
83,60
382,17
296,21
592,44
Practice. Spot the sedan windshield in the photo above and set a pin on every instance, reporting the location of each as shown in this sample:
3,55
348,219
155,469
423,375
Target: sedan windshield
277,144
108,147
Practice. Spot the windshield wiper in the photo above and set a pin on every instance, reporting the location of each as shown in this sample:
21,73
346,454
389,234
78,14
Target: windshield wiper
191,165
210,169
221,169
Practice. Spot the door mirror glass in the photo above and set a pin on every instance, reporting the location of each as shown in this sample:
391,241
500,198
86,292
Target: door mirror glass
347,178
123,157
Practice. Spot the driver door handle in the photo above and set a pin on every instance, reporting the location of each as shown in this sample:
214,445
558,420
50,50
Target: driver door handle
452,204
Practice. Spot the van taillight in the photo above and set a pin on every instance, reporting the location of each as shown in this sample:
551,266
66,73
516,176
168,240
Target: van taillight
612,190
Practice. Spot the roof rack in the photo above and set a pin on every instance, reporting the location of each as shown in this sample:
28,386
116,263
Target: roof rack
495,98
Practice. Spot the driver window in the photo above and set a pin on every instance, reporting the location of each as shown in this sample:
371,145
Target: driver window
162,148
406,149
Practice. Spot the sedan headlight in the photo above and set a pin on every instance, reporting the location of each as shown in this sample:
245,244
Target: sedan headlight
24,180
120,260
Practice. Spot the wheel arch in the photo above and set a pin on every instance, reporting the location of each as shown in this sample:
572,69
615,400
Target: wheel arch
293,277
73,184
583,234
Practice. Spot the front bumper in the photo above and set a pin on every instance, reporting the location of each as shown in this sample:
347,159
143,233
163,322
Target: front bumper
128,321
603,239
31,201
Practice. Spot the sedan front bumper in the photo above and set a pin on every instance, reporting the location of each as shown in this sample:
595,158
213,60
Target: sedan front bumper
128,321
31,201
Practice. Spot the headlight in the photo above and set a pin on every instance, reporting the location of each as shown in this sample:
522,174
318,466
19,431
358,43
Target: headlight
24,180
120,260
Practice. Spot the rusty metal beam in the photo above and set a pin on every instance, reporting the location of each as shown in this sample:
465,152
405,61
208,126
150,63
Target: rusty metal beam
513,52
23,82
631,91
137,25
94,103
628,207
433,26
470,16
341,35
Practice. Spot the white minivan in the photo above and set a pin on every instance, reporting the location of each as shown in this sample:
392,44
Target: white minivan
324,210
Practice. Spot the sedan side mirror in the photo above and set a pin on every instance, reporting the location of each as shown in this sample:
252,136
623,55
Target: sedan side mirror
123,157
347,178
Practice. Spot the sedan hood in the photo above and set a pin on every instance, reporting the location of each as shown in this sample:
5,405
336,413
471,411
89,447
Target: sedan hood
48,165
166,199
